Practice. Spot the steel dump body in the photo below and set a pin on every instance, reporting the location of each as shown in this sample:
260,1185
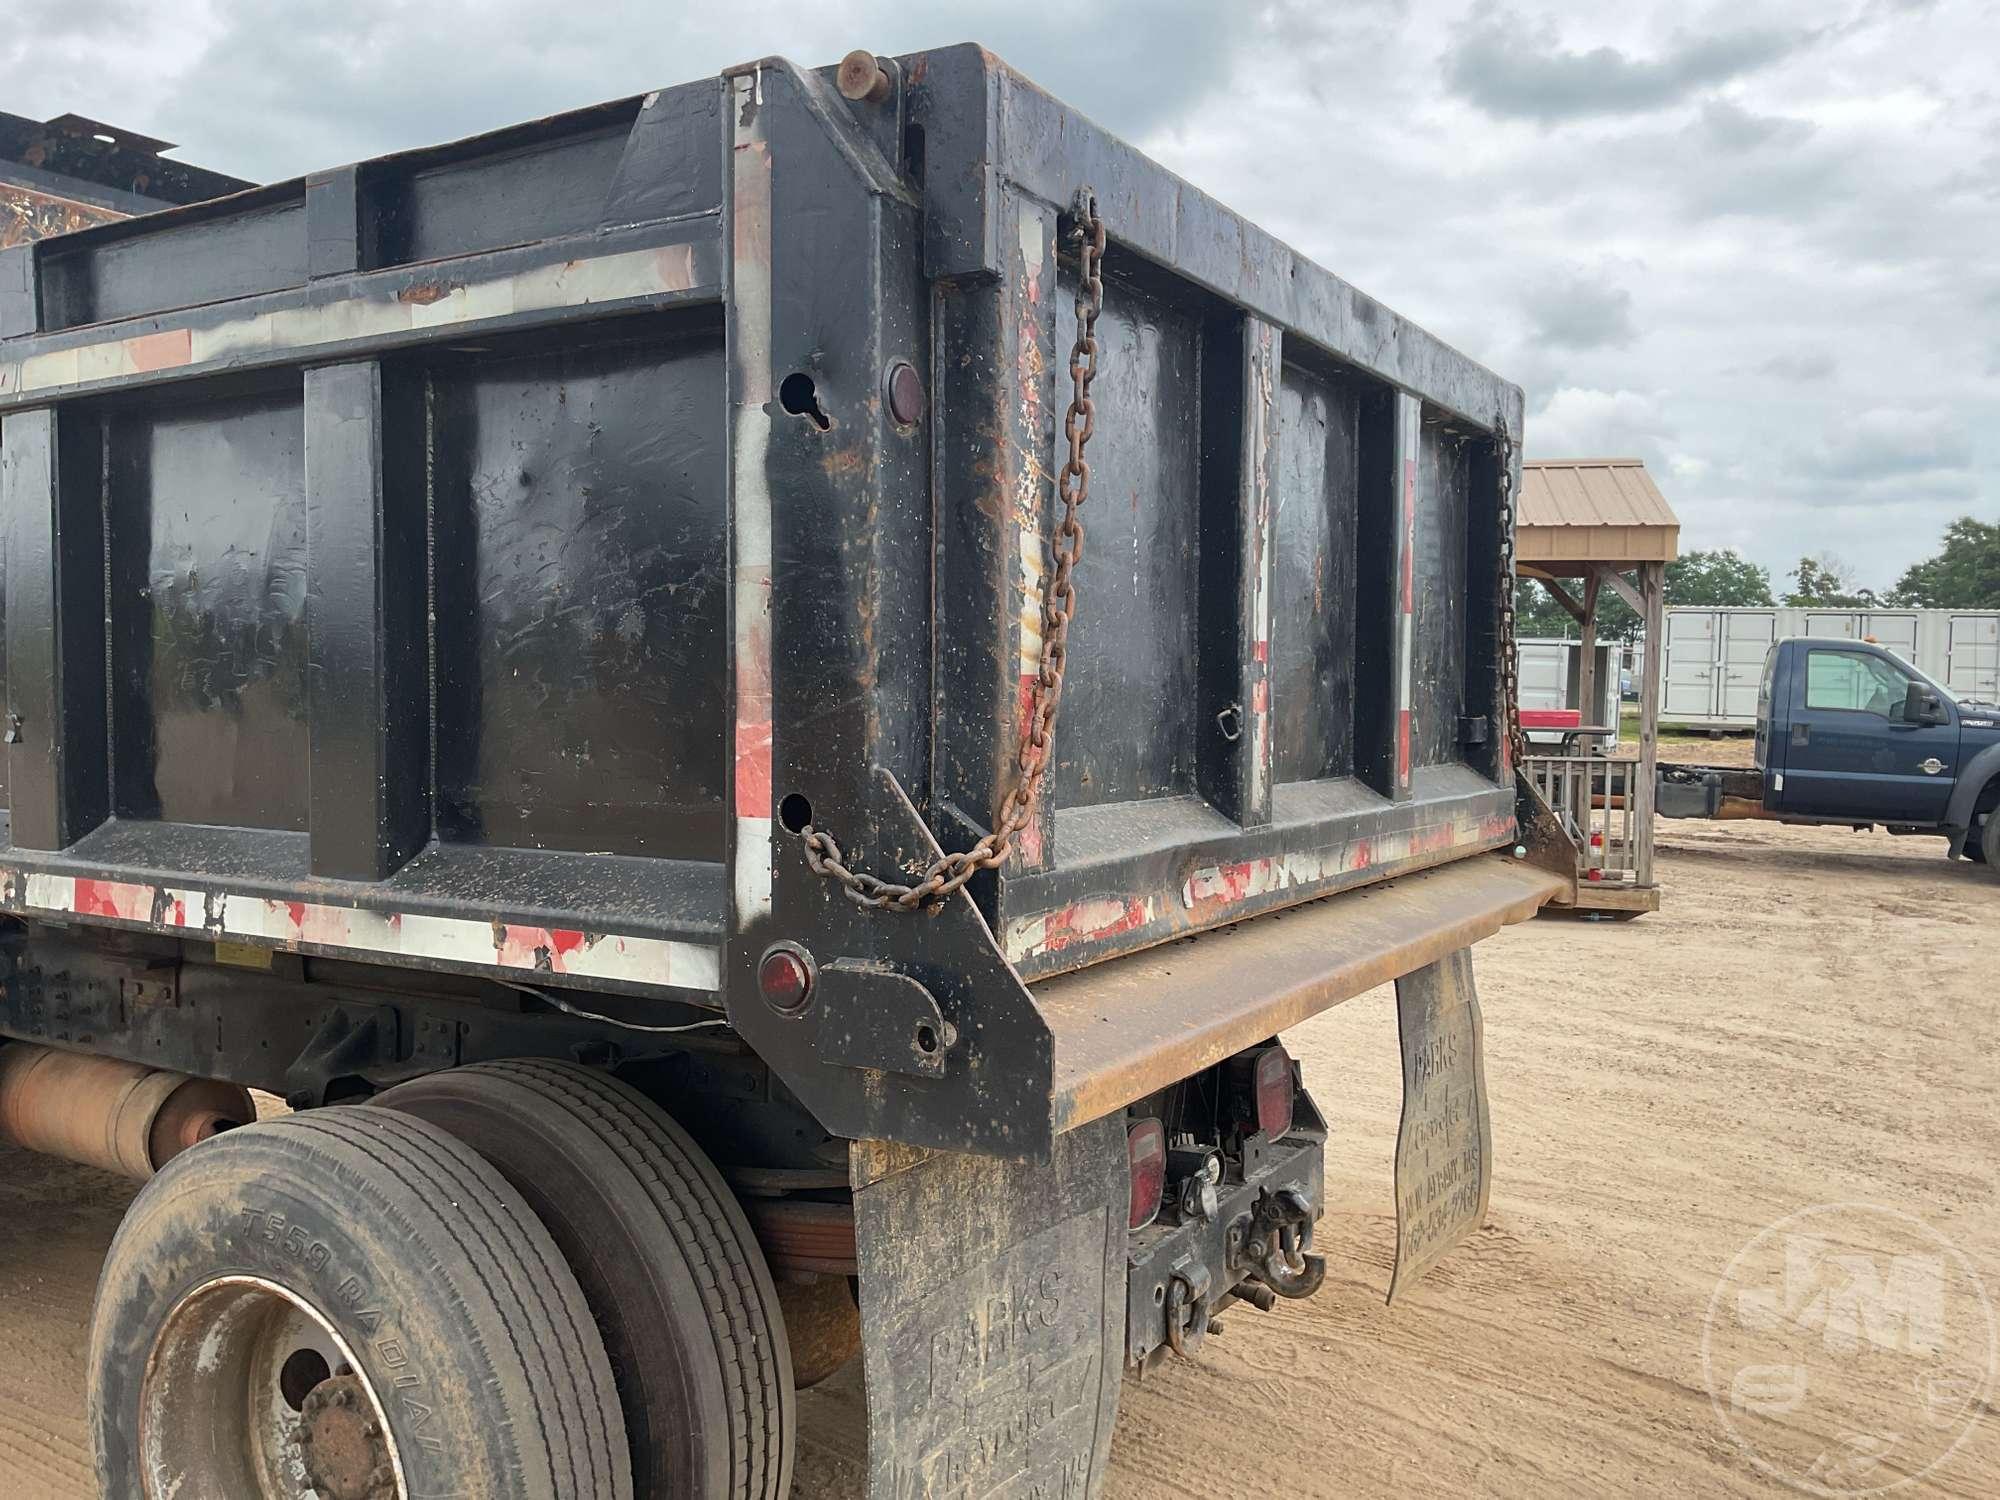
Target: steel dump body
476,560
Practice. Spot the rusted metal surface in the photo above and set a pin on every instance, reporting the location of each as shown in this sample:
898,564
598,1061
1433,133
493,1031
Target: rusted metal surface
1545,842
341,1442
1515,740
27,215
822,1325
862,79
804,1234
123,1117
1124,1030
1016,812
92,161
1444,1146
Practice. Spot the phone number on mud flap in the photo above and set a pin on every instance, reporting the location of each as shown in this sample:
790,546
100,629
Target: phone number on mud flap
1443,1199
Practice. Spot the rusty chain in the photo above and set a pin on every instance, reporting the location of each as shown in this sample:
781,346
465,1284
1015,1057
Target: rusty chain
1510,687
949,875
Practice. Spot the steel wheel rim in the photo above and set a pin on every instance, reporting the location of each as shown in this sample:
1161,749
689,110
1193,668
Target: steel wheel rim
236,1373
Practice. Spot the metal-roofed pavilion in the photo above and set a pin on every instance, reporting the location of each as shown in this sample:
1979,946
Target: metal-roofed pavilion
1584,525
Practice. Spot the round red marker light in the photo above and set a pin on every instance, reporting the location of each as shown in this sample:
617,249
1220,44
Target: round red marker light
785,976
906,393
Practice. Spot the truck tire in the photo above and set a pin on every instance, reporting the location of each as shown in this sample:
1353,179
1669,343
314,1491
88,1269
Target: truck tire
665,1256
1989,841
345,1303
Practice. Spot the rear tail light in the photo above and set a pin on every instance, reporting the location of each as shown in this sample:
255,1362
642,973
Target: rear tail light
785,976
1273,1084
1146,1154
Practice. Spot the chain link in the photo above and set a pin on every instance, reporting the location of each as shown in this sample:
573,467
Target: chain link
1510,687
949,875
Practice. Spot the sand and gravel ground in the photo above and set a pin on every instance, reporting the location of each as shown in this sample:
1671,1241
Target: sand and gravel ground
1812,1018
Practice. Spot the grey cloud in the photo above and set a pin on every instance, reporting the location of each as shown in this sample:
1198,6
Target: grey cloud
1731,127
46,21
1890,448
49,47
1512,68
1086,57
1580,310
1836,203
1802,365
292,87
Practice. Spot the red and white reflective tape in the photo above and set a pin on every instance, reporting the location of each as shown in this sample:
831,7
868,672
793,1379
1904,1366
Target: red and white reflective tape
750,508
1244,880
1409,413
1081,922
1209,894
495,944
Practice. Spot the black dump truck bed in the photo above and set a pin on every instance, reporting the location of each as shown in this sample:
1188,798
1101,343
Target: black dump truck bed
486,559
490,632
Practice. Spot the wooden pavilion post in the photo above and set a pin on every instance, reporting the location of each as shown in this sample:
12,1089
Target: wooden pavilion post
1653,590
1586,666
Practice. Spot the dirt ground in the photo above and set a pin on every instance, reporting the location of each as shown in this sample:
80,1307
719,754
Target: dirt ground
1811,1018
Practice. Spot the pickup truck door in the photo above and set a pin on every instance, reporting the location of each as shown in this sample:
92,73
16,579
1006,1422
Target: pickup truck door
1850,752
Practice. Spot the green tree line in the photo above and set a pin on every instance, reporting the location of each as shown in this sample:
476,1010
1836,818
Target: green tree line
1964,574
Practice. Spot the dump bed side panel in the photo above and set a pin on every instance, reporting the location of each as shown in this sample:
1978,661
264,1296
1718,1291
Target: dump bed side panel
367,559
1281,677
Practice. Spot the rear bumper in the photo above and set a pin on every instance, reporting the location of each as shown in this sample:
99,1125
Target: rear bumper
1186,1265
1127,1029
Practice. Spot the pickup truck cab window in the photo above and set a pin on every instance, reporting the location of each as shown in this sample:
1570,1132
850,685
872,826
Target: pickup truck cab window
1856,682
1850,747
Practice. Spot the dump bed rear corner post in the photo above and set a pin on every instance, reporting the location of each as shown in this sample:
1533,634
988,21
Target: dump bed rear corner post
993,1317
992,1284
995,432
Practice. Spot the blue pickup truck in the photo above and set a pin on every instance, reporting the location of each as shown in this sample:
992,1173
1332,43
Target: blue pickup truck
1848,733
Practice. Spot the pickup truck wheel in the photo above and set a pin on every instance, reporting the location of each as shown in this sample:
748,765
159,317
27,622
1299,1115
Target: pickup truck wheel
1989,841
665,1256
345,1305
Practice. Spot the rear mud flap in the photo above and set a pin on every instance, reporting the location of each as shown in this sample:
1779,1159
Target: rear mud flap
993,1318
1444,1149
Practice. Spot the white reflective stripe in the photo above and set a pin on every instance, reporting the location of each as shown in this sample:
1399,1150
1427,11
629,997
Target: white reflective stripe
579,282
488,943
752,875
750,501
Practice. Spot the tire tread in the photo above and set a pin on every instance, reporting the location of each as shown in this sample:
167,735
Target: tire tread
471,1244
712,1233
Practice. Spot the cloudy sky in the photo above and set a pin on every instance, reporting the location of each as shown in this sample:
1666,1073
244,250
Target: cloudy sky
1752,243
